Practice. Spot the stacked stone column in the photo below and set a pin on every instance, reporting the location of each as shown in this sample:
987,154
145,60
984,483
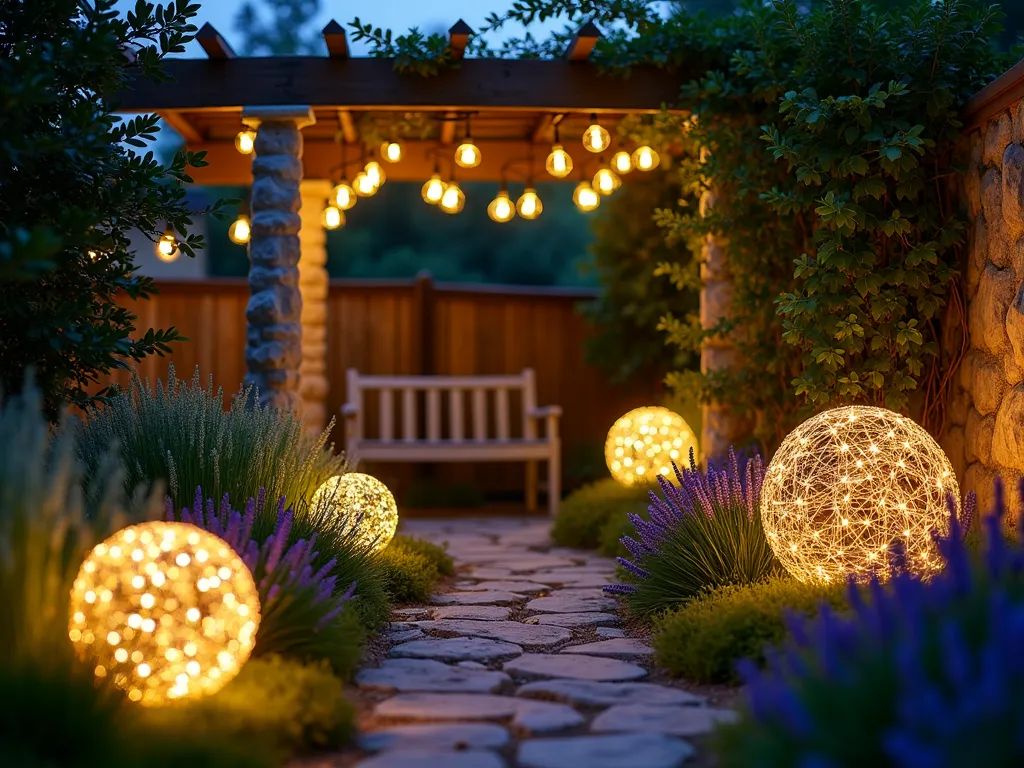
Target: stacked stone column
273,350
313,285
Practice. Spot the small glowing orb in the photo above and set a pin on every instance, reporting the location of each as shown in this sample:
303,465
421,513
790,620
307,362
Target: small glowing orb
643,444
365,506
848,484
167,610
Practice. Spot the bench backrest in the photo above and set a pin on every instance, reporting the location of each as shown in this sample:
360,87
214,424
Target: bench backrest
455,409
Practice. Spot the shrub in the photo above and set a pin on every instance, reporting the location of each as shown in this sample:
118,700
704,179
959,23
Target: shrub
435,553
703,639
919,674
584,514
301,608
412,568
705,533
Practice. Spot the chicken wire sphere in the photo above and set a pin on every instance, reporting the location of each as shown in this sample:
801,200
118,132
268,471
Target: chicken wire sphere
643,444
849,483
167,610
365,505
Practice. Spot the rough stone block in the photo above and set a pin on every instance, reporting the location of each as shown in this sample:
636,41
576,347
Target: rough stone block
992,196
277,304
714,260
262,278
1008,436
989,385
1015,326
279,138
282,166
978,437
275,222
977,255
275,251
269,192
273,355
967,370
283,379
282,332
987,312
954,446
971,190
980,479
313,312
1017,132
997,136
1013,190
959,402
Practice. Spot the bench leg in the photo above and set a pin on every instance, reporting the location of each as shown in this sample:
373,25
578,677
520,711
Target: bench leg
531,486
554,482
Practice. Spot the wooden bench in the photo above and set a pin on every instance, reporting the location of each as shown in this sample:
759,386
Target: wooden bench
438,431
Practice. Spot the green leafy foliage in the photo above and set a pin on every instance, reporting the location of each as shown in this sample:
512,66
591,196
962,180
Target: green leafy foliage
412,567
75,183
585,513
436,554
702,640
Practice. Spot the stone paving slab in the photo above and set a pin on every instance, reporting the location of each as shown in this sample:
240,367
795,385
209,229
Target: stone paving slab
456,649
621,646
571,604
490,597
428,675
436,737
604,632
474,612
589,693
418,758
526,635
576,667
671,720
404,635
633,750
523,714
573,619
525,587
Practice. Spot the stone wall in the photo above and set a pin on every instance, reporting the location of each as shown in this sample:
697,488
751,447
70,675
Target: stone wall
985,433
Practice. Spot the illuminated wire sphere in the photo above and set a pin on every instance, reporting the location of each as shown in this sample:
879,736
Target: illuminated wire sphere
167,247
849,483
391,151
605,181
585,197
433,189
501,208
333,217
529,204
167,610
558,163
344,195
596,138
240,230
453,199
468,154
622,163
645,158
643,444
245,141
365,506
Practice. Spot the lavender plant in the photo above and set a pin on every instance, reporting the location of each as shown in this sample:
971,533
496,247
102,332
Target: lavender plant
918,674
705,533
303,613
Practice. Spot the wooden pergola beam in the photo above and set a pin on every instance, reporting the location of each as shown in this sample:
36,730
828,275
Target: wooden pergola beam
448,128
335,40
583,42
520,85
348,127
178,122
544,129
213,43
458,38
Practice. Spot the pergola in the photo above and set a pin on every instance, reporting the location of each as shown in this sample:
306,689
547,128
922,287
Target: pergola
302,105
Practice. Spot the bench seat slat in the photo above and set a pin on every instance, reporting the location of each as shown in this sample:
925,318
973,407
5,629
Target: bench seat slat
374,450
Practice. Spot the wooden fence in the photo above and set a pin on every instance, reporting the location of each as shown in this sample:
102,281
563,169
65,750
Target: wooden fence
410,327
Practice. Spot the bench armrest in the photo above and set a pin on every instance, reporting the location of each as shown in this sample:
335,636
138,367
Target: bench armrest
545,412
349,410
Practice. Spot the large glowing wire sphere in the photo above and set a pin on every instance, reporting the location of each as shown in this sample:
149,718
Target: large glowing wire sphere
643,444
847,485
364,505
167,610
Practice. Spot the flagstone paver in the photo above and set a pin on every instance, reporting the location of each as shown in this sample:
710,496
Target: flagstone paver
517,666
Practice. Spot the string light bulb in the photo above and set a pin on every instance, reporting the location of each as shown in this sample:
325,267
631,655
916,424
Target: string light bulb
433,189
333,217
391,151
375,173
606,181
848,484
245,141
642,445
453,199
596,139
363,185
585,197
559,163
344,195
501,209
529,205
622,163
240,230
645,158
468,155
167,247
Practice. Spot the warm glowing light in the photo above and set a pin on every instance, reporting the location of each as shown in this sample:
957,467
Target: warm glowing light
529,205
558,164
239,231
596,138
846,485
645,158
391,151
622,163
363,185
585,197
182,635
643,444
167,247
501,208
375,173
333,217
468,154
605,181
245,140
433,189
344,196
452,199
365,508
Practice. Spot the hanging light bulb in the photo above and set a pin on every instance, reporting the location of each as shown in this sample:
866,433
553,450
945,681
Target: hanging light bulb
375,173
501,208
596,138
467,155
605,180
167,247
240,230
363,185
333,217
645,158
558,164
622,163
344,196
245,140
529,205
391,151
433,189
585,197
453,199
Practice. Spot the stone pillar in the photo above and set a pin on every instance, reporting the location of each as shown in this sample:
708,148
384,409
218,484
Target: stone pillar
722,427
273,349
313,285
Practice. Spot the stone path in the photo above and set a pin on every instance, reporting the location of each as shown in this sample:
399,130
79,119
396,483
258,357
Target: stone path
523,663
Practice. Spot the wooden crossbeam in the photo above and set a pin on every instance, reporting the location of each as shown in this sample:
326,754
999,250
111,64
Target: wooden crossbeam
178,122
448,128
216,47
348,127
583,42
543,131
458,38
336,41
